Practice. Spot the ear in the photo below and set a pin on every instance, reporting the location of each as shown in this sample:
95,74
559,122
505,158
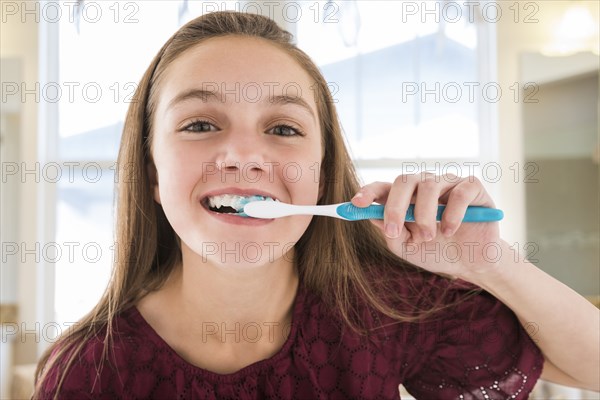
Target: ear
153,178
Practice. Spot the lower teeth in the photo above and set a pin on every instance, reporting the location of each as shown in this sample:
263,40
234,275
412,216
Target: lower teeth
225,210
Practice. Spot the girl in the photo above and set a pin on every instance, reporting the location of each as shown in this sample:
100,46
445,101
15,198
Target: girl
207,304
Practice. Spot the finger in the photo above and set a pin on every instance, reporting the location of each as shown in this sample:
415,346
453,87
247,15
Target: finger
373,192
413,232
429,191
399,197
465,193
405,236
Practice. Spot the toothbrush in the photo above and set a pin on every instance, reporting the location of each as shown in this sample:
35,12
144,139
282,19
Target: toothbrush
349,212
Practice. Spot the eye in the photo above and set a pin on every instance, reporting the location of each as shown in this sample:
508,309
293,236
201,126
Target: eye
286,130
200,126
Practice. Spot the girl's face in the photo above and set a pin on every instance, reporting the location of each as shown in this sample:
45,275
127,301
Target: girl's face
235,116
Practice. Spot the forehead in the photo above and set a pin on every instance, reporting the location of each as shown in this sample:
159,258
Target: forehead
248,68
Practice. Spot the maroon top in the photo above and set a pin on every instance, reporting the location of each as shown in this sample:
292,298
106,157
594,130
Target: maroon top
477,350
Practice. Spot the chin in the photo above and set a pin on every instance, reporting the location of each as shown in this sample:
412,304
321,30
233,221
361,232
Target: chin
244,253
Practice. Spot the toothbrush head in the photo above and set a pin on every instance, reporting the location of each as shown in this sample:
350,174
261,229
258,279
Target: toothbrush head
244,201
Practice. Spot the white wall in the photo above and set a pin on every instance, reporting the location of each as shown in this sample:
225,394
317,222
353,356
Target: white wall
19,40
514,39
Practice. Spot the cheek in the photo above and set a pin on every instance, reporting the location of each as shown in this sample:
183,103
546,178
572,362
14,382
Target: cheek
302,179
312,175
178,173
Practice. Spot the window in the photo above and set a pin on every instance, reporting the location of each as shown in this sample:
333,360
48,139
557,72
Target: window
98,51
101,50
403,84
405,77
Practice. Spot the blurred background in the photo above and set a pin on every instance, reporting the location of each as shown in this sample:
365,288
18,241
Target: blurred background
506,91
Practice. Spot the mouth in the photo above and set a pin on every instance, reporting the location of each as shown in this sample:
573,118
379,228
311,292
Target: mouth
232,204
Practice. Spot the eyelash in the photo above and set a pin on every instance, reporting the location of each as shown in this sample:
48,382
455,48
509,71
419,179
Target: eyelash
188,128
297,130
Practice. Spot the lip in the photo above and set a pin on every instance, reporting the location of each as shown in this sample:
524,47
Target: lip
234,219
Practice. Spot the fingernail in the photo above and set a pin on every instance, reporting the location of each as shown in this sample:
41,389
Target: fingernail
391,230
357,195
428,236
447,232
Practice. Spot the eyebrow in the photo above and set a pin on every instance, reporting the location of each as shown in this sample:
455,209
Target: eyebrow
210,95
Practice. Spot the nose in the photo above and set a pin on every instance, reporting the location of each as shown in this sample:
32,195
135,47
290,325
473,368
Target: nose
242,152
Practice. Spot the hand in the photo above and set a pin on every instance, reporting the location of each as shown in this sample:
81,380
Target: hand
463,250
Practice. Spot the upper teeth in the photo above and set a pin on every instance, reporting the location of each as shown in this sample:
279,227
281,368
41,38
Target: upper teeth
234,201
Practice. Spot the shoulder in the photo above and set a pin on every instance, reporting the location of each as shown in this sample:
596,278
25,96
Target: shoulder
475,344
415,292
409,294
103,367
453,305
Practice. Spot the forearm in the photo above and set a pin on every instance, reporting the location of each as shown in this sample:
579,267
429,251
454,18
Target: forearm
564,325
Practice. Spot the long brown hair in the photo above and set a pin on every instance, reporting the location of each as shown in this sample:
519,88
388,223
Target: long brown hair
345,264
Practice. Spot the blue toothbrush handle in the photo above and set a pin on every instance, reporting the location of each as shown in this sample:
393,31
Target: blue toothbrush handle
375,211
